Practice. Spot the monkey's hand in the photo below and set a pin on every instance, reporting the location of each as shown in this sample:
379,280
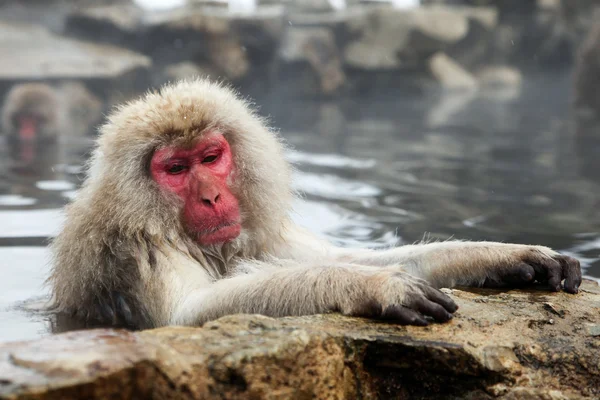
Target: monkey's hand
521,265
491,264
400,297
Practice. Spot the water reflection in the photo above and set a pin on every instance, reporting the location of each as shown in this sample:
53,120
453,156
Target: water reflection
375,172
332,187
23,270
506,167
343,227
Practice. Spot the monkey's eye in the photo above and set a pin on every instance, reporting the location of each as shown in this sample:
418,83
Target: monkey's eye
210,159
176,169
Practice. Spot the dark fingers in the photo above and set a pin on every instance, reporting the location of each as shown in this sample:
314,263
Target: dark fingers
442,299
555,275
514,276
571,272
431,309
403,315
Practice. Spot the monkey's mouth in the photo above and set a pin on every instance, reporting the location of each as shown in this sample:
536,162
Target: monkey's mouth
219,227
221,233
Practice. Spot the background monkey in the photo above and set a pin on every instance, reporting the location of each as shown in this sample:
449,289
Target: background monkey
39,112
31,112
184,217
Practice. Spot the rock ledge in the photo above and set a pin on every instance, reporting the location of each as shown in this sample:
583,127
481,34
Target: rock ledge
505,345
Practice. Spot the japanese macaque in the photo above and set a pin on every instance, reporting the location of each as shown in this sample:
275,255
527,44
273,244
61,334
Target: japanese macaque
38,112
185,217
31,112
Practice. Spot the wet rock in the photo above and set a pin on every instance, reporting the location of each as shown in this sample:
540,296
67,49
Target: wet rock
228,55
501,83
50,13
395,38
389,38
183,70
329,19
312,5
135,28
117,24
234,43
490,349
210,3
35,53
499,76
435,27
578,16
541,32
230,42
476,48
450,75
487,17
316,49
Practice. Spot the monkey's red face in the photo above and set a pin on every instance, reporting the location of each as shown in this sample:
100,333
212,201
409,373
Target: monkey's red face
29,125
200,177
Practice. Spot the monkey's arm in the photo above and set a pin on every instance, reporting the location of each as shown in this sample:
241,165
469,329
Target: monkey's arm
447,264
451,263
287,288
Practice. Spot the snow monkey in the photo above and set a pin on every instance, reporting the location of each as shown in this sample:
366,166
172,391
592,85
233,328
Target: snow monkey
31,112
185,217
39,112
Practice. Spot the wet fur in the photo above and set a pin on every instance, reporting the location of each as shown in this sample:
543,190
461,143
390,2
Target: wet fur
69,109
121,225
35,98
123,256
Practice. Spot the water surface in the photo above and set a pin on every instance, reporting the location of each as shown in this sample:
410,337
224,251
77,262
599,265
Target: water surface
374,172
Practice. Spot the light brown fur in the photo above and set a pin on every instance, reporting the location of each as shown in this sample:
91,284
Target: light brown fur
36,98
68,109
123,257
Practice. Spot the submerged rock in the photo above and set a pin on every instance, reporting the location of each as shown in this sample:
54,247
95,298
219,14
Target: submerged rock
499,77
451,75
505,345
392,38
315,48
387,38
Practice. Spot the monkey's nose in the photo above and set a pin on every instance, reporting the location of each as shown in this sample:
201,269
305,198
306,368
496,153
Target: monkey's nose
210,198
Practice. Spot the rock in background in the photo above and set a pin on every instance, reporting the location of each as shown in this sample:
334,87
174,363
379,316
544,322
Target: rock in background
317,47
35,53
